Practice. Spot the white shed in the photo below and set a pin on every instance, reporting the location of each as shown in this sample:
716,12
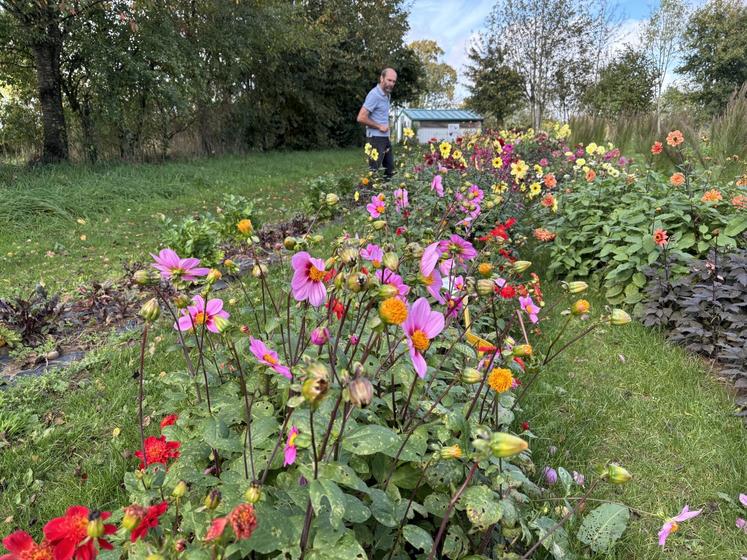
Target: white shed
442,124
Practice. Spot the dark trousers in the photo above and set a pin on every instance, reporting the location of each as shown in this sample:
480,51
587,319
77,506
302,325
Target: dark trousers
386,156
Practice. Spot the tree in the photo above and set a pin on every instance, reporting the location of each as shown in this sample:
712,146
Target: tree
625,85
662,36
440,78
539,39
495,88
715,52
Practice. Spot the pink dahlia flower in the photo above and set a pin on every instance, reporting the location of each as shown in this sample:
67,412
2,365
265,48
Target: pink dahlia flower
458,248
421,326
374,254
672,524
172,267
377,206
527,304
429,259
437,185
401,200
290,447
386,276
201,314
268,357
308,279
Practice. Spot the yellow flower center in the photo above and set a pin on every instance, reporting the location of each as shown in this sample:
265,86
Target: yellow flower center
675,527
270,359
376,263
315,274
393,311
292,439
427,280
420,341
200,318
500,380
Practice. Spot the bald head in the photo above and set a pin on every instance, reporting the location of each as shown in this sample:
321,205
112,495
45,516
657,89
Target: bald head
387,79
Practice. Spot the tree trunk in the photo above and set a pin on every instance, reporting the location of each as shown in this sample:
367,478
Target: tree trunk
47,51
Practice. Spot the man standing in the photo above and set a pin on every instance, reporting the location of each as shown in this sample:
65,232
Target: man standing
375,115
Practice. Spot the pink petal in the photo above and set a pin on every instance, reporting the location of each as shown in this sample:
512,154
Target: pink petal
184,323
199,303
686,514
290,455
429,259
664,533
300,260
190,262
214,306
283,370
743,499
418,362
434,325
317,294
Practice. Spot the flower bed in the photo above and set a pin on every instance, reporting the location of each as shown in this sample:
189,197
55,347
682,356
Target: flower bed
364,399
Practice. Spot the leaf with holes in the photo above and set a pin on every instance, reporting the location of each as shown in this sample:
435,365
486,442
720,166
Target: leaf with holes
602,527
482,506
557,543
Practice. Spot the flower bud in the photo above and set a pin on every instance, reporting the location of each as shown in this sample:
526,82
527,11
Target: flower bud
289,243
471,376
317,238
379,224
314,389
356,281
213,276
146,277
180,545
391,261
451,452
180,490
521,266
259,270
95,528
221,324
414,249
331,199
577,287
618,318
522,350
360,391
181,301
387,291
320,336
212,500
484,287
580,307
150,311
617,474
506,445
253,493
245,227
485,269
133,514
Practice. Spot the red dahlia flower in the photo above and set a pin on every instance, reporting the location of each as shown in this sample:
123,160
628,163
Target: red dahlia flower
22,547
158,450
68,535
149,521
169,420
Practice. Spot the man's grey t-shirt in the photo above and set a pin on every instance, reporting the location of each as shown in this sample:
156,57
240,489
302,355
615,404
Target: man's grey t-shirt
377,104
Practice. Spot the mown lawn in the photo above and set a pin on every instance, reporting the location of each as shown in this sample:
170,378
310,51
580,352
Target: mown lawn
69,224
623,394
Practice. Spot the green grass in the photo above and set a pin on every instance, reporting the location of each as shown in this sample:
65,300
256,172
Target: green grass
623,394
121,205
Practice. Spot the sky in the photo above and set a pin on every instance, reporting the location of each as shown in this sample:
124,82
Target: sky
453,23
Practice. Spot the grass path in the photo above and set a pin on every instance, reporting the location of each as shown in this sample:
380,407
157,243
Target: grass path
120,205
624,394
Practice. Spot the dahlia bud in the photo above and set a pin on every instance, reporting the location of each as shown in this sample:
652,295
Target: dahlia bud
95,528
230,266
577,287
522,350
212,500
289,243
320,336
133,514
253,494
314,389
356,281
180,490
506,445
150,311
213,276
580,307
618,318
348,255
521,266
484,287
379,224
221,324
331,199
180,545
317,238
182,301
617,474
387,291
360,391
414,249
391,261
471,376
146,277
451,452
259,270
485,269
245,227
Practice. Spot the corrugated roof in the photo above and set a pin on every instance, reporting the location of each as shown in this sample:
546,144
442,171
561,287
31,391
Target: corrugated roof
442,115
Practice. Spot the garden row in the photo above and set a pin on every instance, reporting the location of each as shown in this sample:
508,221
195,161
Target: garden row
370,405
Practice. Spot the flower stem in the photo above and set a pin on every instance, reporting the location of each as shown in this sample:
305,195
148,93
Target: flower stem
447,513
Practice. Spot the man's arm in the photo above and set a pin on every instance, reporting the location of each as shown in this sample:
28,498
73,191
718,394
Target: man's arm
365,119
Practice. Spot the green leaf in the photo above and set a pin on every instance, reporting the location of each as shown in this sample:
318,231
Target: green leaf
341,474
602,527
371,439
418,537
735,226
218,436
557,543
639,279
347,548
382,508
482,506
687,241
323,488
355,510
